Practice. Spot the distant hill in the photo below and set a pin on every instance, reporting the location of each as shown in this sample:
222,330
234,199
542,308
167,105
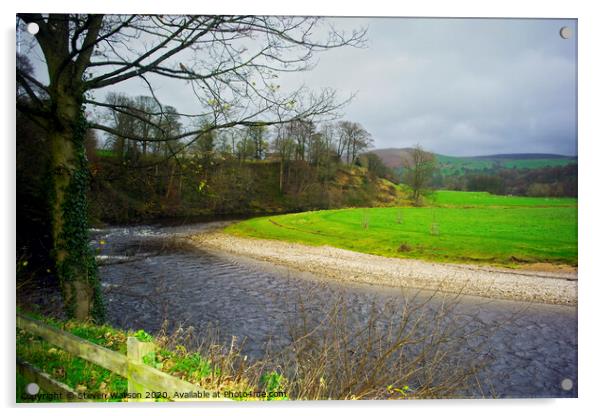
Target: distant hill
524,156
392,157
452,165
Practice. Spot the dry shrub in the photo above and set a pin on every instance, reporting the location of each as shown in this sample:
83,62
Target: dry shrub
420,349
230,368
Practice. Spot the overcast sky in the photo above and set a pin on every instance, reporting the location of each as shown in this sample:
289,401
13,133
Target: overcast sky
460,86
456,86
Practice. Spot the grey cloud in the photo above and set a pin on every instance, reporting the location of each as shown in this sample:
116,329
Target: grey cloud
461,86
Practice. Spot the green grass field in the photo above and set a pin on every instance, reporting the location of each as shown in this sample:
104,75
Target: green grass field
451,165
458,227
485,199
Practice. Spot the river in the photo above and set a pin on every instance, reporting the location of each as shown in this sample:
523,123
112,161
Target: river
148,278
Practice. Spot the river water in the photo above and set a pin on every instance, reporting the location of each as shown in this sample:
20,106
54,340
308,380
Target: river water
150,279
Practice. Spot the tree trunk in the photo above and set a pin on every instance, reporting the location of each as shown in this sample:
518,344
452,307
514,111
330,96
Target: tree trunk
281,182
73,257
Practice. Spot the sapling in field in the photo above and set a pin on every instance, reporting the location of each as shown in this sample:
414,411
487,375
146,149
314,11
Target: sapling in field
365,219
399,216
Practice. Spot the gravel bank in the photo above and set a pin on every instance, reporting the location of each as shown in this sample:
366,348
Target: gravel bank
344,265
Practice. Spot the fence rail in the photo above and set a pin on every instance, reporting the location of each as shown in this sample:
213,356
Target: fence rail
142,379
47,383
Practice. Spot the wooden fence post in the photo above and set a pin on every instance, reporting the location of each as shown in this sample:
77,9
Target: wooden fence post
136,351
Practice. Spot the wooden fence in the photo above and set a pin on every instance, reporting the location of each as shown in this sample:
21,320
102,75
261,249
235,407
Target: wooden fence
143,380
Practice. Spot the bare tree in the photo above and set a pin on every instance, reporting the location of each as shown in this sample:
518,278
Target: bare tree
418,170
147,107
301,131
353,139
229,62
256,133
123,125
284,147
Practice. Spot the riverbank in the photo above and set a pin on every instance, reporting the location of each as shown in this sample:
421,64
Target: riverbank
558,287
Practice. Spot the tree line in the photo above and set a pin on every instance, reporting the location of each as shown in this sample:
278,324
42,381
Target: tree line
549,181
137,132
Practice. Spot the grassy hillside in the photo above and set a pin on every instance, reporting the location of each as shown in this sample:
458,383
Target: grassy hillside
120,194
459,165
497,230
452,165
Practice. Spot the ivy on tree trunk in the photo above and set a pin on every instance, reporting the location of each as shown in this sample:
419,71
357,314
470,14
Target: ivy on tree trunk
74,258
